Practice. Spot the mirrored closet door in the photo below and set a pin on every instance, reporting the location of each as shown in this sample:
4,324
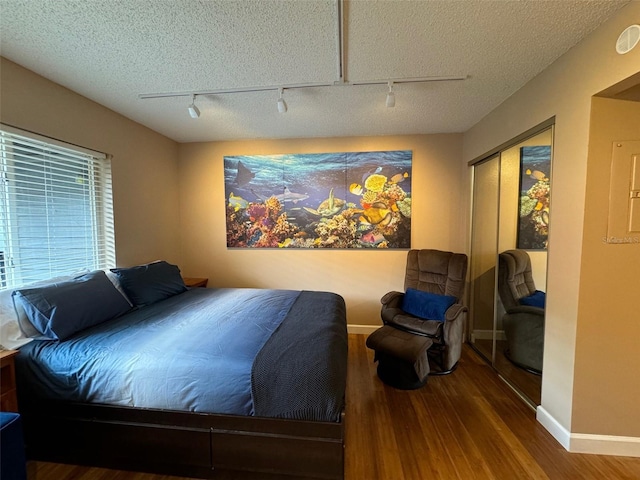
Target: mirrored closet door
511,214
484,241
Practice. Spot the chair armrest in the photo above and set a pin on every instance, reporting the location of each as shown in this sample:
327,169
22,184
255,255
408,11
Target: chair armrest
391,303
454,311
453,333
526,309
392,299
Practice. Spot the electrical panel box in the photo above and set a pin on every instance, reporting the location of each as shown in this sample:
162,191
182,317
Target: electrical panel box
624,194
634,195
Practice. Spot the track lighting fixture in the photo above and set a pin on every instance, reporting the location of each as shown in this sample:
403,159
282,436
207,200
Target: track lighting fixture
193,110
391,97
282,105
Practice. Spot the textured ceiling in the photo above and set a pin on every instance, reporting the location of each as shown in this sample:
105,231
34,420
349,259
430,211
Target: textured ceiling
111,51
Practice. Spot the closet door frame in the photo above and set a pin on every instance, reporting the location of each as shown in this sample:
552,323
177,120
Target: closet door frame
476,309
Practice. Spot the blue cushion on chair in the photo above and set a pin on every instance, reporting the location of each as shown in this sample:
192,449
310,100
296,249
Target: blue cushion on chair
425,305
536,299
13,464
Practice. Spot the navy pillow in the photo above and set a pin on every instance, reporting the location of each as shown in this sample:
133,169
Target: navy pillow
425,305
148,284
536,299
58,311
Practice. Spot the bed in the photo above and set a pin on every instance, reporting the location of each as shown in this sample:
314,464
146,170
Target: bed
206,383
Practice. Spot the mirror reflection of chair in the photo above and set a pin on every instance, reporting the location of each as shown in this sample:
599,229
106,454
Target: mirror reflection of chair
425,322
523,321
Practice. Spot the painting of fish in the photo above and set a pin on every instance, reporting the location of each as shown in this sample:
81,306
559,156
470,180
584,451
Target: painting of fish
319,200
286,196
355,188
537,175
399,177
243,175
533,205
372,238
237,202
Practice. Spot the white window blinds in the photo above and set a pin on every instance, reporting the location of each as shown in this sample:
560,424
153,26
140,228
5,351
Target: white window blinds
56,209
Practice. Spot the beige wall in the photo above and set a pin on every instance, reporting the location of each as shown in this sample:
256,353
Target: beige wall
606,392
361,277
565,90
144,164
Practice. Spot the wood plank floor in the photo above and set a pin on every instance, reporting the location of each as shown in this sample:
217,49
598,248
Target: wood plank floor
528,383
467,425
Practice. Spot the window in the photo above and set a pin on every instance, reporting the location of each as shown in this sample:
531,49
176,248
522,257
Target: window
56,209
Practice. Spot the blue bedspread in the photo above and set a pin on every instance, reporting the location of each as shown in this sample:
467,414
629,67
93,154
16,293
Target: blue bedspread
191,352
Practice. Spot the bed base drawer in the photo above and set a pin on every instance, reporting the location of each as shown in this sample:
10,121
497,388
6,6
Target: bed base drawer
273,453
185,444
139,447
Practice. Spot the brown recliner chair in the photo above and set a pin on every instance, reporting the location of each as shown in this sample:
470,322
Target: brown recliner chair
523,324
443,274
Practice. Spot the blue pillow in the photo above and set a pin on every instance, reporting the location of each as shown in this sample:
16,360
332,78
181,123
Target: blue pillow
148,284
536,299
59,310
425,305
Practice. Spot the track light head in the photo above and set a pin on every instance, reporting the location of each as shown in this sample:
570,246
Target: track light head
391,100
194,112
282,105
391,97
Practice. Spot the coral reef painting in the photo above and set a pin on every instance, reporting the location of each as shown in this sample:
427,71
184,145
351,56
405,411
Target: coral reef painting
319,200
533,217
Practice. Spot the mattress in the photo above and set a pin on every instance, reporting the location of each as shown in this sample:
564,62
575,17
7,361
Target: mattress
271,353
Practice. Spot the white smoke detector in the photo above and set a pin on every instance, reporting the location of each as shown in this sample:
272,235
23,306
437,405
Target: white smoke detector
628,39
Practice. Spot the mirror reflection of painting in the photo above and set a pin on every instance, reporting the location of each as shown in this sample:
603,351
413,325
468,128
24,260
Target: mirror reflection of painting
533,218
320,200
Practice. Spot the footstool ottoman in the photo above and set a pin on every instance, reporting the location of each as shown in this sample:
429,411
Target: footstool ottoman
401,356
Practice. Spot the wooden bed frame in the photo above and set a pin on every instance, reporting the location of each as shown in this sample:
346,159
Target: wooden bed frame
184,443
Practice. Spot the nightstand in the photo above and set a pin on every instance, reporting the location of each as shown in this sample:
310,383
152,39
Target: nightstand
8,394
193,282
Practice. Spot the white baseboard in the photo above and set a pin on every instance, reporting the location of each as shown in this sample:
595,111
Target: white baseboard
605,445
363,329
589,443
487,335
561,434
